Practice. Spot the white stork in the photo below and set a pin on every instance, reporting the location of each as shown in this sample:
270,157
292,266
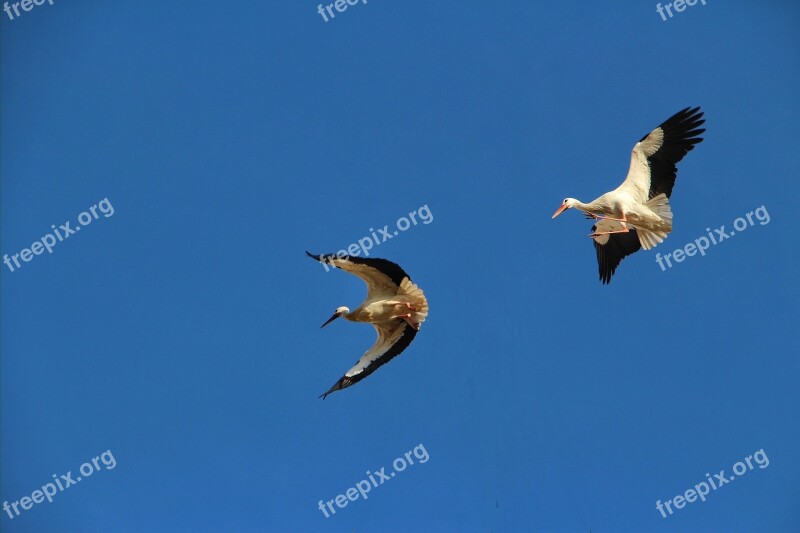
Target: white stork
394,306
637,213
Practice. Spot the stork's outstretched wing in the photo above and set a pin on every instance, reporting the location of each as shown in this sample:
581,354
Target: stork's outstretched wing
613,248
392,340
381,276
654,157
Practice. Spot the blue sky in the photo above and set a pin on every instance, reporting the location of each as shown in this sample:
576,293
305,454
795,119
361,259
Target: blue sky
182,332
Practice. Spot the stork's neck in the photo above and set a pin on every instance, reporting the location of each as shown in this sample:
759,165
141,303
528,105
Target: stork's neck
595,207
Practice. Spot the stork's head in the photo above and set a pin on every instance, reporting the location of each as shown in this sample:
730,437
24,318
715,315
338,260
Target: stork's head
340,311
566,204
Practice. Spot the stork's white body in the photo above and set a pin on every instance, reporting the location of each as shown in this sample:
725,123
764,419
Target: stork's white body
621,211
386,309
395,306
640,205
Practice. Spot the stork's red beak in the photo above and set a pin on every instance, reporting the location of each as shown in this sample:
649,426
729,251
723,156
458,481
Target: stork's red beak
331,319
560,210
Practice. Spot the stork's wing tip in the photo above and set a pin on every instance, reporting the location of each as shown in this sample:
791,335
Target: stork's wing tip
332,389
336,386
325,394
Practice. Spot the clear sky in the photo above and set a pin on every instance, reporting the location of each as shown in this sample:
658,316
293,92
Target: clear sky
181,333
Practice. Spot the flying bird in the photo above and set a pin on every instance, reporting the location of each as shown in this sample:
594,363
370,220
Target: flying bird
395,306
637,214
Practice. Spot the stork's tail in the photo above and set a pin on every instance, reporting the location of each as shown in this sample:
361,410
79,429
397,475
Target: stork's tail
651,238
416,298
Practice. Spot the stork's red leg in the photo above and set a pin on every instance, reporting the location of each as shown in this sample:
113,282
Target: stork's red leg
409,318
623,219
598,233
